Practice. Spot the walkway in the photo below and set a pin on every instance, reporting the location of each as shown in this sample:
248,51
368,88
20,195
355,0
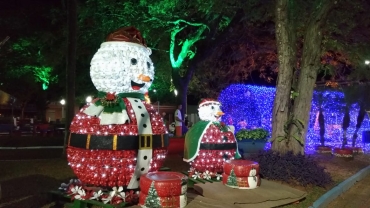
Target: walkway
358,196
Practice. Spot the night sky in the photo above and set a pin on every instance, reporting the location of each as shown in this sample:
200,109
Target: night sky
33,13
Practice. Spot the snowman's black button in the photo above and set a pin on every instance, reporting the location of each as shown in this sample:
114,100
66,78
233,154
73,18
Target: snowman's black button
142,115
133,61
139,107
138,179
145,157
142,169
144,125
136,100
148,64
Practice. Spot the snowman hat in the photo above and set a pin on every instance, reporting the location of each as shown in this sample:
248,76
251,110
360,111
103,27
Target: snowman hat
208,101
128,34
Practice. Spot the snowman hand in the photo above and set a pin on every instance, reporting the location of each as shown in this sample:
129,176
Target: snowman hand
114,118
93,110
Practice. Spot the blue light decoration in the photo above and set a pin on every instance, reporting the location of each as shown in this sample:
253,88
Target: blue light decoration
248,106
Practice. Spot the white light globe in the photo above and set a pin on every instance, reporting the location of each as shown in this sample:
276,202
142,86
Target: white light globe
62,101
88,99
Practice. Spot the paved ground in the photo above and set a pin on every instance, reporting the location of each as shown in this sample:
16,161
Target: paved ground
356,197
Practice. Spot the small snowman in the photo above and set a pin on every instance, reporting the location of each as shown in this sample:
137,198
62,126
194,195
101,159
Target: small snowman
119,136
209,142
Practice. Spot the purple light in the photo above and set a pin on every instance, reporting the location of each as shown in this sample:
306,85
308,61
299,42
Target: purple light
247,106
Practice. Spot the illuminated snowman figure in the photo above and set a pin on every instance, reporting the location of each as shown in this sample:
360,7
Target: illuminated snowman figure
209,142
252,172
118,137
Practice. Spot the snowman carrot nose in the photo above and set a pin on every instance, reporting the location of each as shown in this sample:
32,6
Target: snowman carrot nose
220,113
144,78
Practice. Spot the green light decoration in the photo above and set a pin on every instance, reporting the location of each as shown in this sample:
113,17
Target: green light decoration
185,49
42,74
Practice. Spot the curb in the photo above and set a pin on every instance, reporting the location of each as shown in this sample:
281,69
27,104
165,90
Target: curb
332,194
39,147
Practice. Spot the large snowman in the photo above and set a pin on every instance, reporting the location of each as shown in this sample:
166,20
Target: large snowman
209,143
118,137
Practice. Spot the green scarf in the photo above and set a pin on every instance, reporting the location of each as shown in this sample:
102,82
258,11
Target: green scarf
222,126
114,103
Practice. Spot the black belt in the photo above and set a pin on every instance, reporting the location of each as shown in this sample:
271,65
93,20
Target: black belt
222,146
116,142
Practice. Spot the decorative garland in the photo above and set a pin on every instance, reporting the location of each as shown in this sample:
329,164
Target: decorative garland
78,191
114,103
222,126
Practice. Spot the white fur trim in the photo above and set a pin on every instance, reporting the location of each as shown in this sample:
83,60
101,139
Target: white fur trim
93,110
114,118
231,128
144,156
215,102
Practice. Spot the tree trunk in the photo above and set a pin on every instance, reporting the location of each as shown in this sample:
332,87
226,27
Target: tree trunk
322,128
285,47
360,119
310,66
283,114
71,66
345,125
23,107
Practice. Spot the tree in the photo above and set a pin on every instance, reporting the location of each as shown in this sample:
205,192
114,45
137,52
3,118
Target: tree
355,94
297,109
152,199
71,65
185,32
231,180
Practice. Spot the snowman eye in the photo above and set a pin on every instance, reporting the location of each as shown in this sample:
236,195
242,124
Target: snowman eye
148,64
133,61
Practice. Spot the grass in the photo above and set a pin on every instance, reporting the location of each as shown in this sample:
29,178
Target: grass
313,193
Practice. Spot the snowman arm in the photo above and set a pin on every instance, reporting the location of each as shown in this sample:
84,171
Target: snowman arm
93,110
114,118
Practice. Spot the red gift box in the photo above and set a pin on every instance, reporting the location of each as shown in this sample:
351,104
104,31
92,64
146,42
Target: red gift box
165,201
251,182
242,168
165,183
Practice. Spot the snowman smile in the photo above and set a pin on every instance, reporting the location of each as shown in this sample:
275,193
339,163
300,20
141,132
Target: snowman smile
136,86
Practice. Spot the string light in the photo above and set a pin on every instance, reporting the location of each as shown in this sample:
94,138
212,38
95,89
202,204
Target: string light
248,106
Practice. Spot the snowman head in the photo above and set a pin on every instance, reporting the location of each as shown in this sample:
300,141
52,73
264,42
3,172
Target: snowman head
210,110
122,63
252,172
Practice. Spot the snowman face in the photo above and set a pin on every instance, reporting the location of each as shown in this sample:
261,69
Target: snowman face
252,172
184,189
122,67
210,111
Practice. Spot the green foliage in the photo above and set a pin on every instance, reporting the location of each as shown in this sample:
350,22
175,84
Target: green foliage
297,135
291,168
253,134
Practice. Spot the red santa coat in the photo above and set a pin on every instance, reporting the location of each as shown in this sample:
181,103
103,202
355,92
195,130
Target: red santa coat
106,155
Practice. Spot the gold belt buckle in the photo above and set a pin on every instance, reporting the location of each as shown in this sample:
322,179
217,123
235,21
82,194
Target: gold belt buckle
144,143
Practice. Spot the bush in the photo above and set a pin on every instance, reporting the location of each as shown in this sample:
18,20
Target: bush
290,168
253,134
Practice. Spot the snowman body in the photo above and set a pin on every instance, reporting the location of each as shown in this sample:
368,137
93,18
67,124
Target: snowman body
118,137
209,143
